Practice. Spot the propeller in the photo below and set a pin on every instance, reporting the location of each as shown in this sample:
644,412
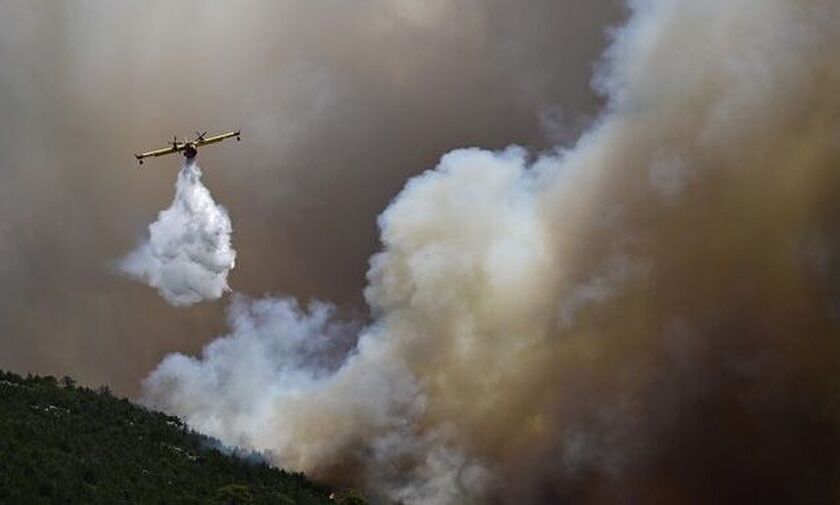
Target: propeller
174,141
199,136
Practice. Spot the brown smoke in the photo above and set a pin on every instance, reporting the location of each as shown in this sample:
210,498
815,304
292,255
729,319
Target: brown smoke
649,316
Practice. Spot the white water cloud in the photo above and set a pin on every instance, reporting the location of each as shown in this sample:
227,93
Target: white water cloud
188,254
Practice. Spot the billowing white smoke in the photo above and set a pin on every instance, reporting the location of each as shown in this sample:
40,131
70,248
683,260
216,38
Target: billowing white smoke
523,311
466,259
188,254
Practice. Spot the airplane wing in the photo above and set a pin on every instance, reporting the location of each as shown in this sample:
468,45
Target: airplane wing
160,152
217,138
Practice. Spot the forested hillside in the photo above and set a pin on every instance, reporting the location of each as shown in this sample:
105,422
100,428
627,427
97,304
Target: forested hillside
60,443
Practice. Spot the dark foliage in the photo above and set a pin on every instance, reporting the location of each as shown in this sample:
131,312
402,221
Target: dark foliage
60,443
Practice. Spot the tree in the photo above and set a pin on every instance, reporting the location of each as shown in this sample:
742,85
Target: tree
233,494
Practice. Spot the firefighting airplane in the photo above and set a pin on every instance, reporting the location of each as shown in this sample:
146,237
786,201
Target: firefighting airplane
190,148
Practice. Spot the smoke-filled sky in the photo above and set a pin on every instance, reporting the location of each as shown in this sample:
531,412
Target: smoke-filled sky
626,295
340,103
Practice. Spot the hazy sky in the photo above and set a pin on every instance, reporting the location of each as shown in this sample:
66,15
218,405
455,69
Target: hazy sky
339,103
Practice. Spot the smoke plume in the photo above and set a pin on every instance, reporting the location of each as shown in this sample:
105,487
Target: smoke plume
647,316
188,254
